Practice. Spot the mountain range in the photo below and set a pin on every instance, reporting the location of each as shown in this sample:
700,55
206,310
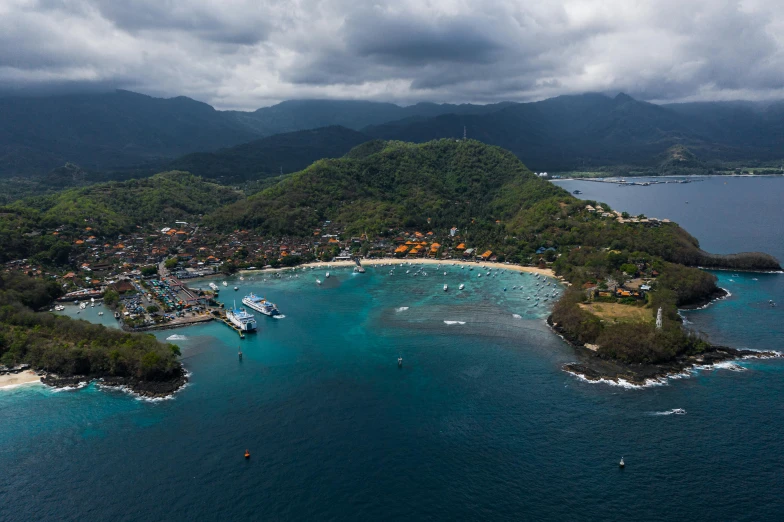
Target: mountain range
125,131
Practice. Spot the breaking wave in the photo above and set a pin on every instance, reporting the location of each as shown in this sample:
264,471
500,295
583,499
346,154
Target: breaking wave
454,322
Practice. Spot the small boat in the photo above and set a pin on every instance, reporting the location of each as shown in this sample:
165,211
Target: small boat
461,286
399,362
225,283
318,281
100,313
247,454
504,289
621,463
679,411
240,352
446,288
327,275
236,288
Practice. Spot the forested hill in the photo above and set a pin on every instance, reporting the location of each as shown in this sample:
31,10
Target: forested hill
391,185
107,209
259,159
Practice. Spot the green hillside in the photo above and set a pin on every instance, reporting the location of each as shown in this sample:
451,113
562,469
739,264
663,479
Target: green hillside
438,184
108,209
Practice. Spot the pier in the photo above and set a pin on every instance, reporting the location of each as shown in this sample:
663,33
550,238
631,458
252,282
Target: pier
224,320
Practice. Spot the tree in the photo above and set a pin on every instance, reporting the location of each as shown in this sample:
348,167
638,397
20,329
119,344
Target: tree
172,262
152,309
148,271
111,298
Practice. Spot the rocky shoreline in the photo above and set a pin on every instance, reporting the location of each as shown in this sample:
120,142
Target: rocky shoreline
592,367
144,389
716,295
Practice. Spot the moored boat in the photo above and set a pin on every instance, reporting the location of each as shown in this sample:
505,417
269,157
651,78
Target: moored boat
260,304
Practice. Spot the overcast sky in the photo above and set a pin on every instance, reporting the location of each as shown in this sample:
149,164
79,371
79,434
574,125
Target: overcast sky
246,54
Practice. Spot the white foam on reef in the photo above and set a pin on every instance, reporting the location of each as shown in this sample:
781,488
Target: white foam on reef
18,385
454,322
176,337
722,298
82,384
725,365
621,383
517,316
401,309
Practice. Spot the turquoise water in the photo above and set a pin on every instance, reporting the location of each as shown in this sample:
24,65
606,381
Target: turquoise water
479,423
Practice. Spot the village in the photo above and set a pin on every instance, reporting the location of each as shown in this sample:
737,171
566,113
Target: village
142,275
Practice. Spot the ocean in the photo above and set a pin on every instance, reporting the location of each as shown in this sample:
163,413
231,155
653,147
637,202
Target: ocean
480,423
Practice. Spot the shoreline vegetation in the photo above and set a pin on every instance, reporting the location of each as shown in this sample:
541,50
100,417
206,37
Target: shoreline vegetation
470,197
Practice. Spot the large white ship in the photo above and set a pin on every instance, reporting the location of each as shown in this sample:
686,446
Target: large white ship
260,304
243,320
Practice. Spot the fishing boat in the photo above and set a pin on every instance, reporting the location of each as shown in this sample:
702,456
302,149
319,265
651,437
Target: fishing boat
621,463
461,286
318,281
446,287
399,362
327,275
225,283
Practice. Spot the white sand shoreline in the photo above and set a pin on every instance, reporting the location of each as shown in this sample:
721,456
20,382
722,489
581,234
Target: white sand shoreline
397,262
13,380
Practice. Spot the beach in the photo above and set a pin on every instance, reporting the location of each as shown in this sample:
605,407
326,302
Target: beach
397,262
15,379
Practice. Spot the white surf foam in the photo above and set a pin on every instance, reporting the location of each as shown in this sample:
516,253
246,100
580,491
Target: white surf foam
454,322
401,309
517,316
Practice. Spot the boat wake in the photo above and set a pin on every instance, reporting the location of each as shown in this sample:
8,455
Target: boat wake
674,411
454,322
401,309
176,337
517,316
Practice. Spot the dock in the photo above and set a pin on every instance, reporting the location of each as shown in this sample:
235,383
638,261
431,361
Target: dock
225,321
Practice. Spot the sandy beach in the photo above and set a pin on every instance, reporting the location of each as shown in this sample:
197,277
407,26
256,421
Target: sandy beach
397,262
15,379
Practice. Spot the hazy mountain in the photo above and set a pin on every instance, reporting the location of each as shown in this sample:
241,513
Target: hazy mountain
122,129
106,131
133,133
287,152
571,132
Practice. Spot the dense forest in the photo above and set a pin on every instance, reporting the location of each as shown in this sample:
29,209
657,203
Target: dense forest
395,185
68,347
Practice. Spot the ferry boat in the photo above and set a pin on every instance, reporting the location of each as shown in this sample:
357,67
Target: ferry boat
260,304
241,319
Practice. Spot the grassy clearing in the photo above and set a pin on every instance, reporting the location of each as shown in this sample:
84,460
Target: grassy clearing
619,313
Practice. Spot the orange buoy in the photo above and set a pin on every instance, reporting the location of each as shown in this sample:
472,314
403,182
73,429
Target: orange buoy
247,454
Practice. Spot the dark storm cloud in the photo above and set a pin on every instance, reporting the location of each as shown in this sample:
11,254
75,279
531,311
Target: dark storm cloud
248,53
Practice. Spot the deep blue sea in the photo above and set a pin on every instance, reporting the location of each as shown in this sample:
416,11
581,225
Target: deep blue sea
480,423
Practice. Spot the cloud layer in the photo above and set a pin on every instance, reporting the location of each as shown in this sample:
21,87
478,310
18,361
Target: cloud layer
249,53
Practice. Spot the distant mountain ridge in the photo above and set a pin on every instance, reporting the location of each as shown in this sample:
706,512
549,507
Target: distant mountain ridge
125,131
